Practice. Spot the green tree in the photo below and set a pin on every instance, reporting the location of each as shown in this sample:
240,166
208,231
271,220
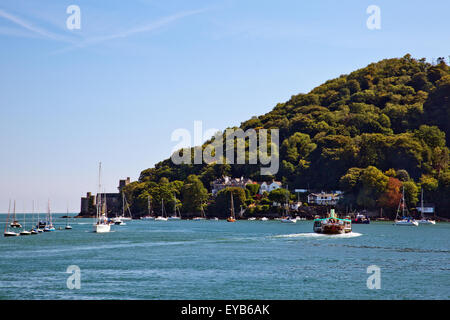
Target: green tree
194,194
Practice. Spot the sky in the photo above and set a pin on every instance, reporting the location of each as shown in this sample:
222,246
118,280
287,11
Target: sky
115,89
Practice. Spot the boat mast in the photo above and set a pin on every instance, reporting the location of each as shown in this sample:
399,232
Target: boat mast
24,217
232,205
149,205
123,205
14,215
99,195
175,204
421,204
7,217
32,213
49,215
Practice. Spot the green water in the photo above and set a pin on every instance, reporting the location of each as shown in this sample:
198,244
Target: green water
220,260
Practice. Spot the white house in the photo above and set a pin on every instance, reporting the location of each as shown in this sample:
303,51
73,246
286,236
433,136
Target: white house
266,187
323,198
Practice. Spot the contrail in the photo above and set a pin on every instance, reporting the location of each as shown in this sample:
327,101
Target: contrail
146,28
28,26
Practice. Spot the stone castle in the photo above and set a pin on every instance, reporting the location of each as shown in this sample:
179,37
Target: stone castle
113,201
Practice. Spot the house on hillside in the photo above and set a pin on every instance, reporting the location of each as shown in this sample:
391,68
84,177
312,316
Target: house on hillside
228,182
324,198
268,187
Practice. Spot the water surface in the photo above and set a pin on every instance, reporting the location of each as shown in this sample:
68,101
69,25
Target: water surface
220,260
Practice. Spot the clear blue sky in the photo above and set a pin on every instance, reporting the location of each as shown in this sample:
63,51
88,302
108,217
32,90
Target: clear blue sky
115,90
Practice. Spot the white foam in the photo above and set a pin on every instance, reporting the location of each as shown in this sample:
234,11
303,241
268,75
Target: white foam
320,235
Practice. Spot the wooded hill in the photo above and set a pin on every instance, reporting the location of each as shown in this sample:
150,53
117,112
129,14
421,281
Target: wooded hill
367,133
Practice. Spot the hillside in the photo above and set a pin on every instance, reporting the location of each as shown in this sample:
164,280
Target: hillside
367,133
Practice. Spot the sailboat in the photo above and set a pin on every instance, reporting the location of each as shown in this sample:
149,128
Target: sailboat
202,214
287,218
125,204
176,211
232,217
8,233
49,224
404,221
68,227
24,232
424,220
34,229
119,220
15,223
149,216
162,217
101,225
40,224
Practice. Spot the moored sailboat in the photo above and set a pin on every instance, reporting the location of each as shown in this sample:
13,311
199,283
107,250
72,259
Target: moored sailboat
405,220
162,217
423,219
101,225
67,227
232,217
15,223
8,233
176,211
149,216
49,223
24,231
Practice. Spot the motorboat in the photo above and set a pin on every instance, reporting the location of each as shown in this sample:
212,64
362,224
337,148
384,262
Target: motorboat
332,224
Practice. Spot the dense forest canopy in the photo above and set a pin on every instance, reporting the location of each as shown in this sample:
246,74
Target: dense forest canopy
369,133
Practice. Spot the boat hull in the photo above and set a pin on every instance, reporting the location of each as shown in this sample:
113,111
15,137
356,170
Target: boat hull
426,222
102,228
289,220
406,223
10,234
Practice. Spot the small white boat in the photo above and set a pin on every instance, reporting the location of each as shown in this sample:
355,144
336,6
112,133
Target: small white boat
405,220
264,219
176,211
119,222
67,227
25,233
251,219
198,218
426,221
288,220
162,217
10,234
215,219
102,224
102,228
